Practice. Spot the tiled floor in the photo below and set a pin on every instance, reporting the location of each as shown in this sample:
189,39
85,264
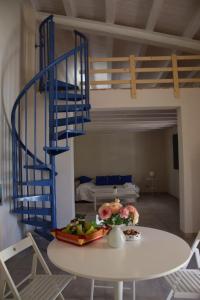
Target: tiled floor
159,211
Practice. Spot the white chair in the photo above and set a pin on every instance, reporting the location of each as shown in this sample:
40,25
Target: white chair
34,286
185,283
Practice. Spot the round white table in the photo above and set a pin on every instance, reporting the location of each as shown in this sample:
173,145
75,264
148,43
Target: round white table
156,254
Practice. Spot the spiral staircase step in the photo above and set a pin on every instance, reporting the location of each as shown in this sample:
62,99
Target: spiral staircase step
38,167
71,108
67,96
34,198
33,211
61,135
56,150
46,182
60,85
37,222
70,121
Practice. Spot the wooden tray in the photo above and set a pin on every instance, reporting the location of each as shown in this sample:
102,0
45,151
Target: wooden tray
79,240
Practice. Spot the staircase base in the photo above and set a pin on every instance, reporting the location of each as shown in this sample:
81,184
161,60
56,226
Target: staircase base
45,234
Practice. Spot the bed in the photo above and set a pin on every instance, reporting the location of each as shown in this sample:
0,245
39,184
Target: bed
92,191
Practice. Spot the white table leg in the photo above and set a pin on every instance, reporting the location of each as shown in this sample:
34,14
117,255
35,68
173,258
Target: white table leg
119,290
92,290
134,290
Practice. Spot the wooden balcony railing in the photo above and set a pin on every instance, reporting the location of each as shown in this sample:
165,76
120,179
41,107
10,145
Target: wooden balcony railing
179,70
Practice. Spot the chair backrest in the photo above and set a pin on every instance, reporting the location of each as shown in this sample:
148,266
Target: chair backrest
196,242
195,251
12,251
15,249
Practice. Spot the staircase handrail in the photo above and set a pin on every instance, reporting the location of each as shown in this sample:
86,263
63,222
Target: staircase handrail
29,85
44,21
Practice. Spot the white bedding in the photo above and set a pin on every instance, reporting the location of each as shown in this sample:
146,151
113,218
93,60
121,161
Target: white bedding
88,191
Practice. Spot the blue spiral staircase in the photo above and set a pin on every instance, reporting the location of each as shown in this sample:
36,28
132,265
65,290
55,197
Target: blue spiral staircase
51,109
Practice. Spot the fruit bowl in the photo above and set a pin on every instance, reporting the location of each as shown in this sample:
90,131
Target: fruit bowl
77,239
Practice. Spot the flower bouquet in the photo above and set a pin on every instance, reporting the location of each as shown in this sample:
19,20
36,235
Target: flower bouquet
114,213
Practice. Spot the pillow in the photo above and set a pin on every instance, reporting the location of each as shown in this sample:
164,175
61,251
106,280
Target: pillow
125,178
84,179
112,180
101,180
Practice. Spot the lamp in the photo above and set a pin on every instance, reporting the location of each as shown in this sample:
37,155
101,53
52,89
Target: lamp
115,191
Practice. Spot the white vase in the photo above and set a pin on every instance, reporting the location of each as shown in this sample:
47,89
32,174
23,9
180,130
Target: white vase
116,238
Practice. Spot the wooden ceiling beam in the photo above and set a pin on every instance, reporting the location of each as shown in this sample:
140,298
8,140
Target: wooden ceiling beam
151,23
110,16
126,33
189,32
34,4
70,8
193,26
154,14
110,11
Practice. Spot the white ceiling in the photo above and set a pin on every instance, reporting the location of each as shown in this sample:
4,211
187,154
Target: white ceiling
177,18
174,17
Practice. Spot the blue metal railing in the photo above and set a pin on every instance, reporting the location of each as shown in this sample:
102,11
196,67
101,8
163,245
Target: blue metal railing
42,125
46,45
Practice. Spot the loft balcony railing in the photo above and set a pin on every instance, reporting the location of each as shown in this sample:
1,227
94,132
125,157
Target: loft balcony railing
178,71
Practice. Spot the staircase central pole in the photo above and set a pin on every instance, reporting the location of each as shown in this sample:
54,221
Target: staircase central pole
51,123
53,193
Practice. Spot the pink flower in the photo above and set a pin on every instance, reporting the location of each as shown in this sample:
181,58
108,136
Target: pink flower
106,204
131,209
135,217
124,212
115,206
133,213
105,212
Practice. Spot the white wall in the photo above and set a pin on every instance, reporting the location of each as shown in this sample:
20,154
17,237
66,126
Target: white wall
65,186
189,140
122,153
172,174
10,16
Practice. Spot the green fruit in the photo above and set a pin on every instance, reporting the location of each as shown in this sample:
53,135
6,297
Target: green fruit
87,226
67,229
73,229
79,229
90,230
